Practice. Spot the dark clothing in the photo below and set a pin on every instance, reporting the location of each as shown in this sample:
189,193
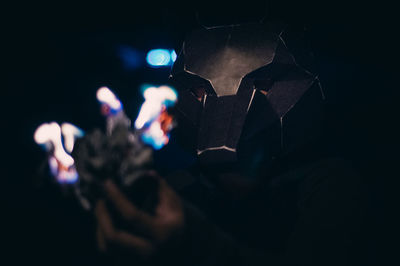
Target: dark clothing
310,215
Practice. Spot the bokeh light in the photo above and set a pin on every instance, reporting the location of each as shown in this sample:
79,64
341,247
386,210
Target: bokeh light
160,57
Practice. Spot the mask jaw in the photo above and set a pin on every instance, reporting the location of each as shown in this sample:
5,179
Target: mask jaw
217,155
221,124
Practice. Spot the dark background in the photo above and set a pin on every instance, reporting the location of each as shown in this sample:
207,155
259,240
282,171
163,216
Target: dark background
57,54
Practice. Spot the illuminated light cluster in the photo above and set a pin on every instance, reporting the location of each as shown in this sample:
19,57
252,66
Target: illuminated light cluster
155,99
109,100
161,57
70,134
63,175
153,118
60,162
51,133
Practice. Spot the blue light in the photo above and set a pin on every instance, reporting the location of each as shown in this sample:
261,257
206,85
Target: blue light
158,57
157,144
130,57
173,55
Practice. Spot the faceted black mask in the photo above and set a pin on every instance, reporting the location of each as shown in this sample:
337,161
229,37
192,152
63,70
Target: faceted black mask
243,92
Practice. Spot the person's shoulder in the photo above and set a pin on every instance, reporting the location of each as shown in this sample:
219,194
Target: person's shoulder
333,165
334,172
326,169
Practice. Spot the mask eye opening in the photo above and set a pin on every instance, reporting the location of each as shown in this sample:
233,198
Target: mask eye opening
198,92
263,85
201,90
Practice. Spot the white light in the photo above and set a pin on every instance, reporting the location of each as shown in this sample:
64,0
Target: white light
155,99
156,134
106,96
51,133
150,109
62,175
46,132
70,133
161,94
150,117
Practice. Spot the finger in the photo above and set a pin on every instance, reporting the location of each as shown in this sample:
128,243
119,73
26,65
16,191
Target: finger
101,241
167,195
117,237
169,209
104,219
127,210
140,245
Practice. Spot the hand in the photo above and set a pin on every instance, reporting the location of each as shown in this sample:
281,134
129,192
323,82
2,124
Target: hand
157,231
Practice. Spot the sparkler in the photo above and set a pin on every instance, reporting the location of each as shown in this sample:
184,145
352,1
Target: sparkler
154,119
112,109
60,162
128,153
70,133
109,99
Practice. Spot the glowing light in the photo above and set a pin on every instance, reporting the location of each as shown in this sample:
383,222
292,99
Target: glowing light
162,94
70,133
60,162
144,87
155,99
155,136
108,98
51,133
63,175
46,132
153,117
173,55
130,57
53,165
158,57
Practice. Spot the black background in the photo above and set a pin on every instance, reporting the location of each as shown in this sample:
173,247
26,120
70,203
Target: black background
57,54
